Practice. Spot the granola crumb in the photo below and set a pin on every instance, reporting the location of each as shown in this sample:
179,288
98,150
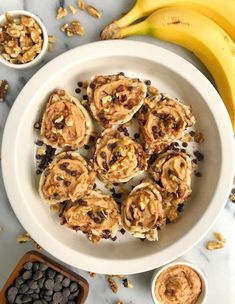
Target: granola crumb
127,284
92,274
61,13
113,285
3,89
94,12
81,4
72,9
214,245
219,237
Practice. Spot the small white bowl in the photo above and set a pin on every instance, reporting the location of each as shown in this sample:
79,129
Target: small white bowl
157,272
44,49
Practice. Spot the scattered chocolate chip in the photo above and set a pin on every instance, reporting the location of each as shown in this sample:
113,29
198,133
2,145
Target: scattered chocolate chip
183,150
114,239
103,155
198,174
86,147
148,82
56,196
67,183
37,125
121,73
136,135
198,155
123,231
168,221
77,90
192,133
184,144
180,207
85,97
73,172
80,84
39,143
105,166
92,138
117,195
81,202
112,146
194,161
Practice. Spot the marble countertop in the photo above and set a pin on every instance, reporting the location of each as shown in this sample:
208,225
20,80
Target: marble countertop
218,265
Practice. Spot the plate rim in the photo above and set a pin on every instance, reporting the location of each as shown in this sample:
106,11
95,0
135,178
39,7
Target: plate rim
193,236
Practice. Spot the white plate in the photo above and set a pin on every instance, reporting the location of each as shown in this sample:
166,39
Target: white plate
171,74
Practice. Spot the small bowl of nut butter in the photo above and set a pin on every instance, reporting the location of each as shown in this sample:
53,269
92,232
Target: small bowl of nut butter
179,282
23,39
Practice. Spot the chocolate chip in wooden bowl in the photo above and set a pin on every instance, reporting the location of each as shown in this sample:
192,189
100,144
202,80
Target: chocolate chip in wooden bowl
33,290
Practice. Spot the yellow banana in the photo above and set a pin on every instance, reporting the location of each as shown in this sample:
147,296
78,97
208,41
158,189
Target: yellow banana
222,12
209,42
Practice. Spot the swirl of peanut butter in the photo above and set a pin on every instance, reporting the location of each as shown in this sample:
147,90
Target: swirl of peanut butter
96,214
65,122
163,120
118,158
142,213
68,177
178,284
114,99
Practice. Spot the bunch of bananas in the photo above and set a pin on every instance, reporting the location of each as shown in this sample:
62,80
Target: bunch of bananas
205,27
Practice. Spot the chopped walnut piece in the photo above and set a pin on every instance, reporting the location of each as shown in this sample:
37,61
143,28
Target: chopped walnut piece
61,13
219,237
92,274
51,39
113,285
72,9
214,245
94,12
23,238
81,4
3,89
74,28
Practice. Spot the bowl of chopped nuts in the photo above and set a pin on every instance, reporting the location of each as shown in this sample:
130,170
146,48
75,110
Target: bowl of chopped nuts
23,39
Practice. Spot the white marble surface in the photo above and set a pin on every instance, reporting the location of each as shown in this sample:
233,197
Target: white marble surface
219,266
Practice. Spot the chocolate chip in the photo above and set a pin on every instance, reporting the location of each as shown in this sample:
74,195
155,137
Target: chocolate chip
51,273
103,155
121,73
198,155
27,274
92,85
86,147
66,282
81,202
56,196
184,144
49,284
120,88
80,84
64,166
180,207
28,265
37,125
183,150
85,97
105,166
112,146
148,82
73,172
136,135
92,138
194,161
168,221
198,174
57,297
161,134
123,231
39,143
67,183
77,90
192,133
106,234
11,294
114,239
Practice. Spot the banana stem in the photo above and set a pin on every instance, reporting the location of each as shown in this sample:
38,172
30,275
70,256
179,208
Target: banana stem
137,29
134,14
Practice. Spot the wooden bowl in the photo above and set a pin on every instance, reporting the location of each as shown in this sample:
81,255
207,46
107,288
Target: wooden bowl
34,256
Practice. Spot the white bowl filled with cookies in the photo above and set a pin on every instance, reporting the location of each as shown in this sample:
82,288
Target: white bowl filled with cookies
118,158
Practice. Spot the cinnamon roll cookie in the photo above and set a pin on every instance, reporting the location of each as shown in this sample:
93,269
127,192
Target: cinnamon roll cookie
114,99
118,158
163,120
96,214
68,177
142,212
172,171
65,122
